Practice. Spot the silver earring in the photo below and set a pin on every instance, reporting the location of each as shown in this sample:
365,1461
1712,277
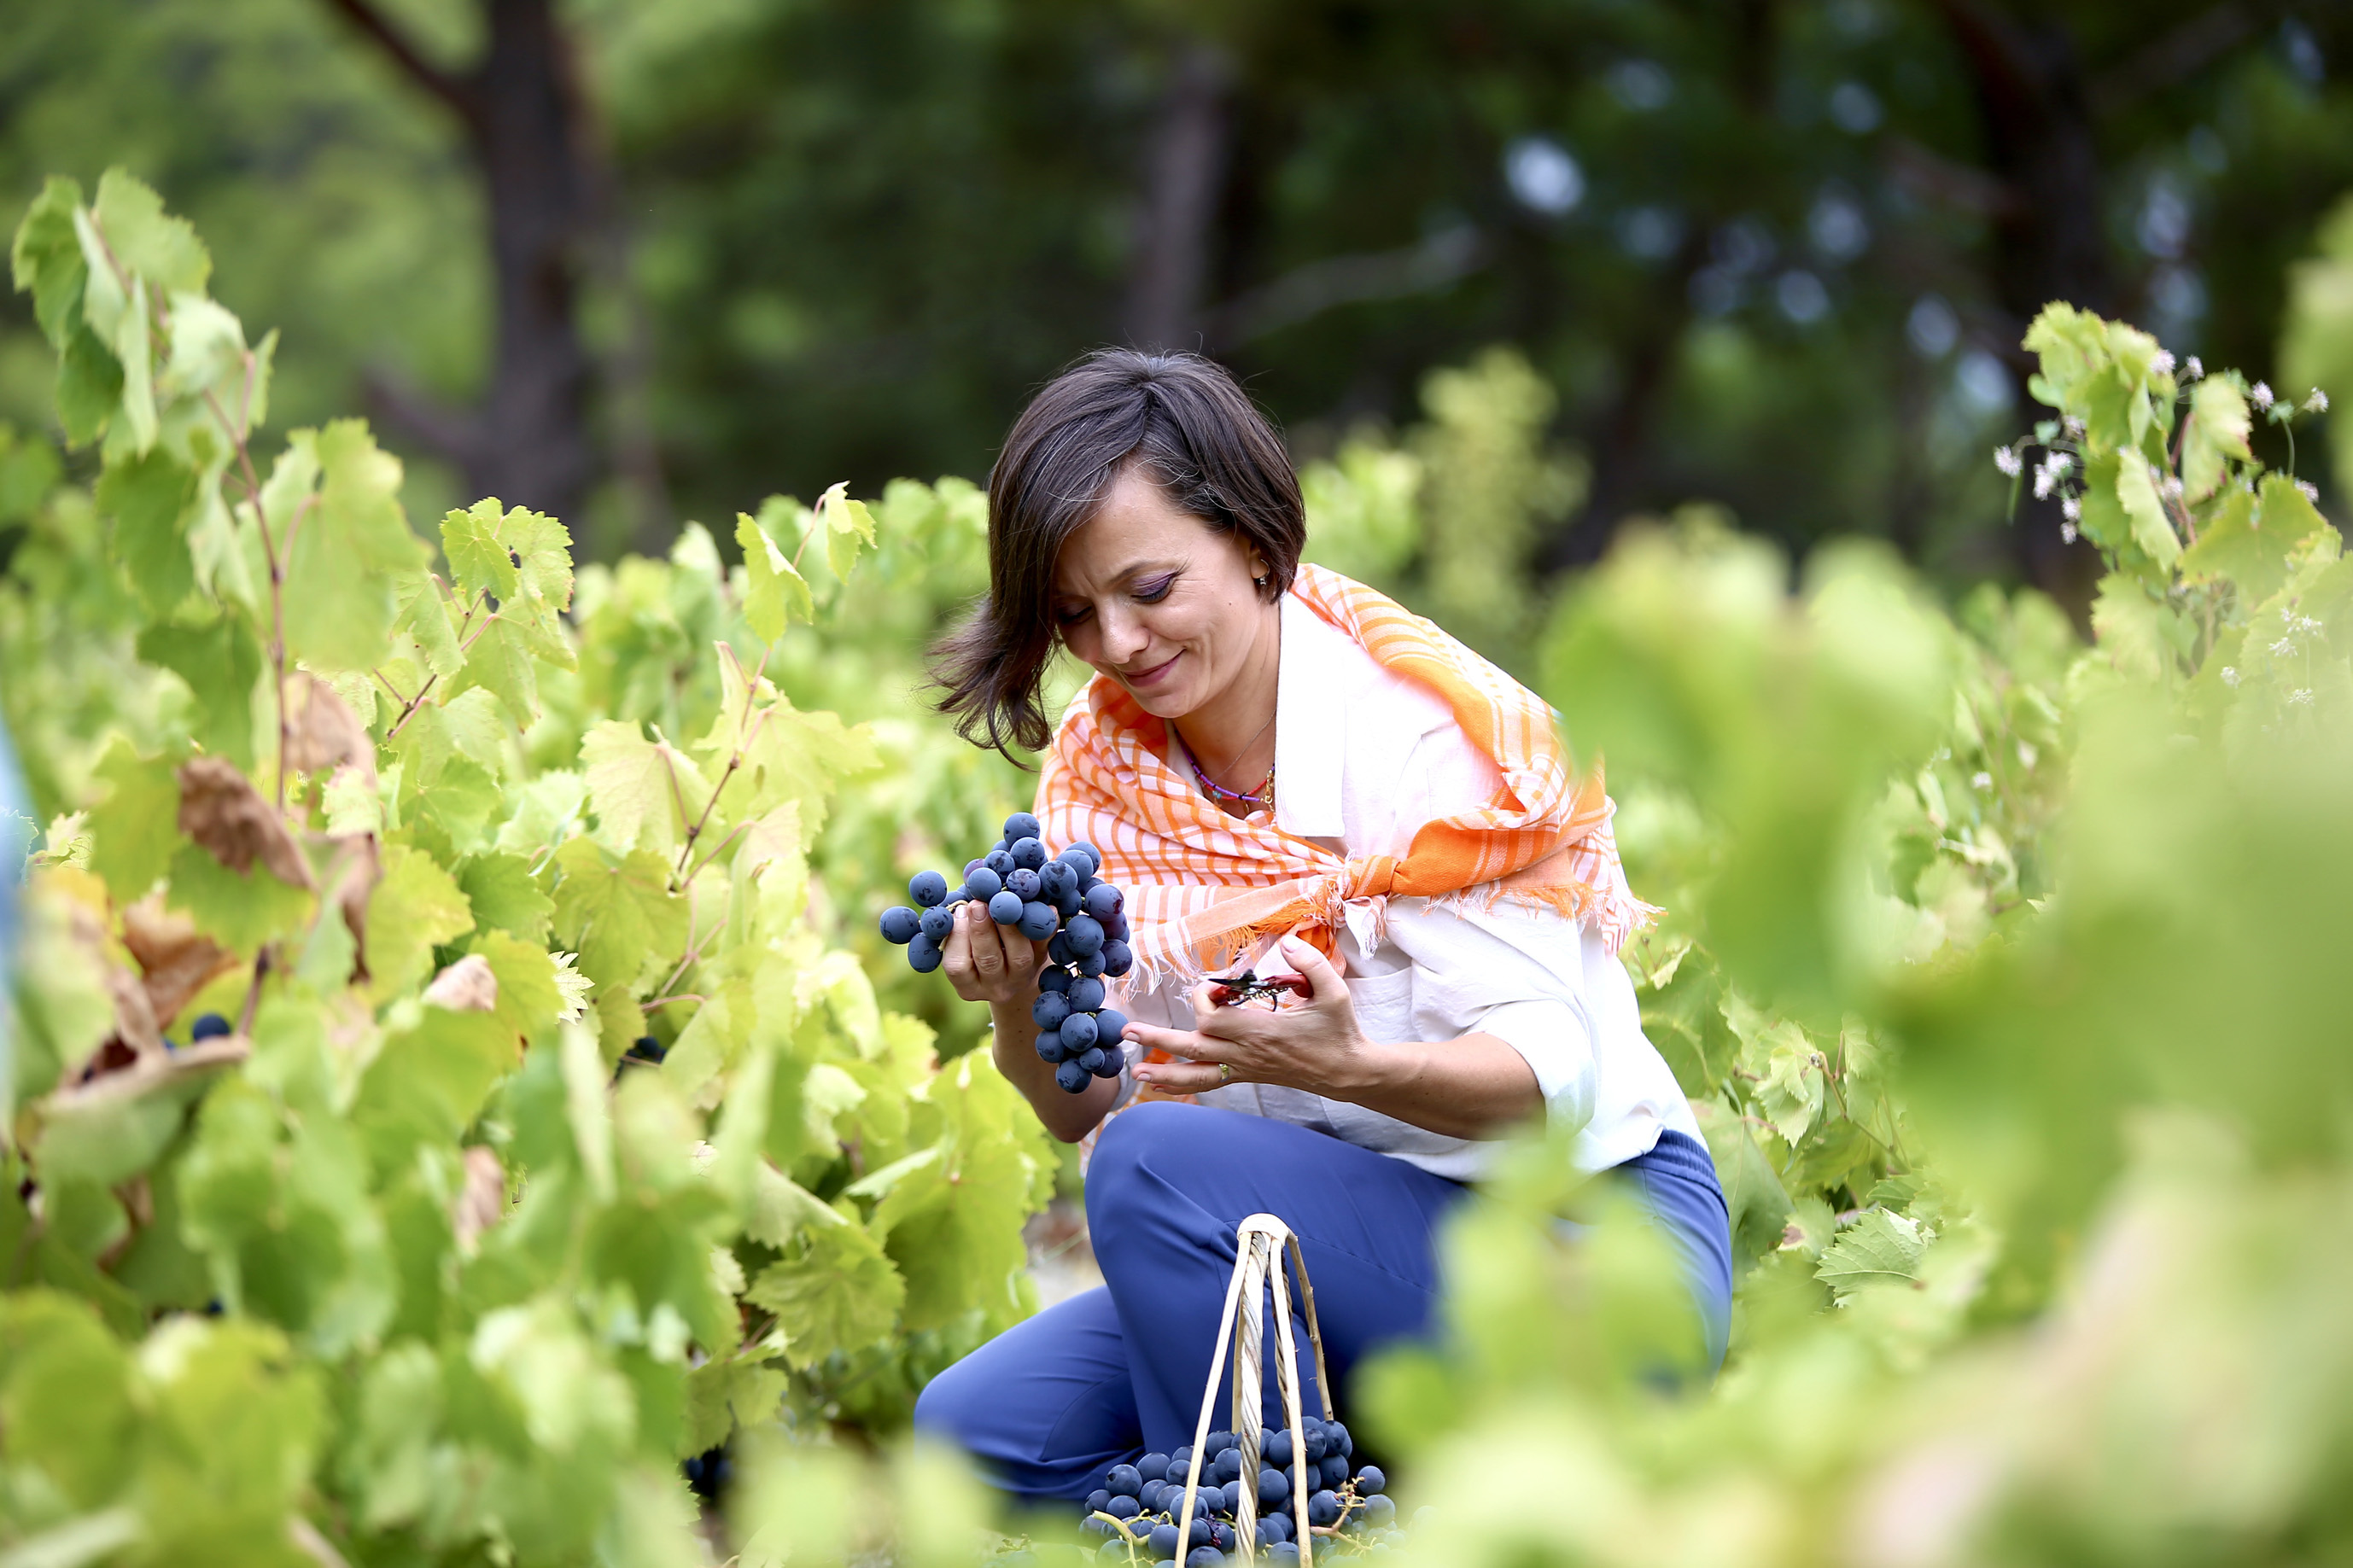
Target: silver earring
1260,581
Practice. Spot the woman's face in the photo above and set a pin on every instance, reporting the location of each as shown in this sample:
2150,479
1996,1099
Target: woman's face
1160,602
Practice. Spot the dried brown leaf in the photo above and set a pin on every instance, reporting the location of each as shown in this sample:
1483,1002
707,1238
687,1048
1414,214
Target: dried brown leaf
466,986
176,959
220,809
482,1201
321,732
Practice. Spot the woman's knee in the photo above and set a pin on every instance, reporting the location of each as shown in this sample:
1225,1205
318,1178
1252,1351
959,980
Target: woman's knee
945,1407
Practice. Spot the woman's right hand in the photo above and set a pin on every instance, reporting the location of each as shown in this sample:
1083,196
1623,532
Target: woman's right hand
989,963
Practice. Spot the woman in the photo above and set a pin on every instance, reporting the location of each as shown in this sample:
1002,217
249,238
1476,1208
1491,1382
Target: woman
1270,753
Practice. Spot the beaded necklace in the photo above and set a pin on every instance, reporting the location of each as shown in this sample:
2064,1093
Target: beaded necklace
1262,796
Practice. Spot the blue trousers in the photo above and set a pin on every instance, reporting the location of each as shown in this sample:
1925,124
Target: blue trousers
1113,1373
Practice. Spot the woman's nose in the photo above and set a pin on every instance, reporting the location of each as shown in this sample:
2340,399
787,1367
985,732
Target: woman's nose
1124,635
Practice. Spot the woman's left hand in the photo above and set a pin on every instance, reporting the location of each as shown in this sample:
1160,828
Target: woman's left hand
1317,1047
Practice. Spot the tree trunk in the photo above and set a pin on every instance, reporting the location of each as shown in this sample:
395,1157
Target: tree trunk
1183,181
528,441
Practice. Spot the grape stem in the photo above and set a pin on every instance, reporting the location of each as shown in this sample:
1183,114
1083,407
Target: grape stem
746,731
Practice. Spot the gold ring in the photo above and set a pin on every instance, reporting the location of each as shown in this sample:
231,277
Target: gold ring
1225,1074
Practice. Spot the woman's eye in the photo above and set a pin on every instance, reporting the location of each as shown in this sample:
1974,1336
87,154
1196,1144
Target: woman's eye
1073,616
1153,592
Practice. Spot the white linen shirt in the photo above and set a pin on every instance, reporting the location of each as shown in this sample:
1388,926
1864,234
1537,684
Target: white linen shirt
1363,756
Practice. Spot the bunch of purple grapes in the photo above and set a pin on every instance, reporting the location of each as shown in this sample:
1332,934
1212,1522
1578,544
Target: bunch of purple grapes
1054,899
1138,1506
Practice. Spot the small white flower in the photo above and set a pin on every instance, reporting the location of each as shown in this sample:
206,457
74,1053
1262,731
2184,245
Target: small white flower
2306,624
2044,479
2309,490
2283,648
2058,462
2170,486
2073,426
2005,459
2317,403
2302,694
2071,508
1981,781
2067,532
2161,362
2259,395
2230,676
2192,369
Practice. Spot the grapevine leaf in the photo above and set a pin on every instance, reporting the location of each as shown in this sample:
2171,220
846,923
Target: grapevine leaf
149,497
221,662
788,755
645,792
478,562
163,249
1878,1247
774,591
836,1291
135,829
529,999
2151,528
243,910
2248,541
2218,425
503,894
847,524
500,660
723,1395
428,1083
90,384
415,907
322,733
617,913
350,545
221,810
423,618
46,259
66,1384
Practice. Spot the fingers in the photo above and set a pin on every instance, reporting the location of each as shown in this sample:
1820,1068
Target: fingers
1183,1078
1315,969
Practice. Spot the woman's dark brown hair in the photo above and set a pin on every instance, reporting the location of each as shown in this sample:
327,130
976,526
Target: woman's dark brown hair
1180,421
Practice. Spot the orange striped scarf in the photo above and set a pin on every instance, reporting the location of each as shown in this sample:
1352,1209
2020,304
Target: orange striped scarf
1204,889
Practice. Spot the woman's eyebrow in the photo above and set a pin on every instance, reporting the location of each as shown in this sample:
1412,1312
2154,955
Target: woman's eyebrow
1128,575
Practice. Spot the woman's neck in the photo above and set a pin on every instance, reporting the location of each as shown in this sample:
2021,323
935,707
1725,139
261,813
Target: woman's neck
1231,736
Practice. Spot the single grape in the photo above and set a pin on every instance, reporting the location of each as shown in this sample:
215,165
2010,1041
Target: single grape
1275,1528
936,922
1038,921
1124,1478
1049,1047
1093,855
1072,1078
1078,859
1024,882
1097,1499
1370,1480
972,866
1104,901
1085,933
900,924
1316,1440
1021,825
1204,1531
1273,1488
208,1026
1028,852
1379,1508
1229,1465
1122,1506
1164,1540
1080,1029
1113,1060
1150,1496
1116,958
1323,1508
1113,1550
1001,861
1067,902
1282,1551
1048,1011
1277,1449
1116,929
1340,1440
1054,977
1205,1557
1057,949
1153,1465
1091,1058
1333,1469
923,954
982,883
1006,909
1181,1458
1111,1027
1086,994
1056,875
927,888
1089,966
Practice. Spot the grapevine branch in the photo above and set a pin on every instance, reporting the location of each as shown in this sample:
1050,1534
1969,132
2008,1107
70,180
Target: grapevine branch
743,738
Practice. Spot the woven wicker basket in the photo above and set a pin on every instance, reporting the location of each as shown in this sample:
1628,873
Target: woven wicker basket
1261,1241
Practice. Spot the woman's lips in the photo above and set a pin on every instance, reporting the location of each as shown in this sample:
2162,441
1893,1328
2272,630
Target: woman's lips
1152,675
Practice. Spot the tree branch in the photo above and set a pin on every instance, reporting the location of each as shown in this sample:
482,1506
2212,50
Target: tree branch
454,91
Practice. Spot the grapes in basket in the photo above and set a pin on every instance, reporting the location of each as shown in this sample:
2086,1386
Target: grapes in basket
1137,1508
1056,899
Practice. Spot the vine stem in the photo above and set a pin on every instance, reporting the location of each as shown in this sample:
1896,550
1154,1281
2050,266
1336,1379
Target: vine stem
743,738
409,710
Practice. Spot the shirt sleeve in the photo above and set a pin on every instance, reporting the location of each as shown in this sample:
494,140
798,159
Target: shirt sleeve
1518,975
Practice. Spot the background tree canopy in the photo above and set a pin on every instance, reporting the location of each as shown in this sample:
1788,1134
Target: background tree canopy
637,263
